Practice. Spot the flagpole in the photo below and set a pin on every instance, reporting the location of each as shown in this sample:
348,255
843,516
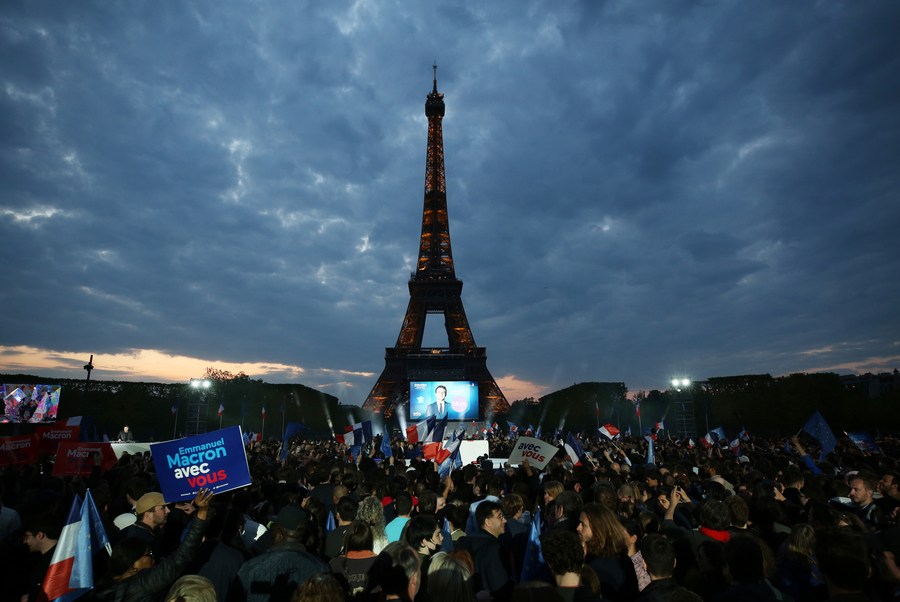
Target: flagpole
175,426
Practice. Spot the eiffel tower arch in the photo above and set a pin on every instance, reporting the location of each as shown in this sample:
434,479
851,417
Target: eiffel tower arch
434,289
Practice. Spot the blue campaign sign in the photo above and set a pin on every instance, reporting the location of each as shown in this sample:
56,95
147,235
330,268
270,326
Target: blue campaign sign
216,461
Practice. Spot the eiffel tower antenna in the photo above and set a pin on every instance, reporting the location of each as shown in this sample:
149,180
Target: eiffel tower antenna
434,289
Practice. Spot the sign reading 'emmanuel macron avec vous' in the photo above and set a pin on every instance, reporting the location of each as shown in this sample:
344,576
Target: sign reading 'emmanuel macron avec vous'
215,461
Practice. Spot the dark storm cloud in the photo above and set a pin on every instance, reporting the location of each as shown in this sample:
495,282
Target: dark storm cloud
634,191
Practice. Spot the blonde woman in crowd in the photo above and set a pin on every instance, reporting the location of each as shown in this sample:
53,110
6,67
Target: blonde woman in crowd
371,511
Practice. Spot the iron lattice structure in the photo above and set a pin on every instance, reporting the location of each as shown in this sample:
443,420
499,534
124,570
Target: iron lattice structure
434,289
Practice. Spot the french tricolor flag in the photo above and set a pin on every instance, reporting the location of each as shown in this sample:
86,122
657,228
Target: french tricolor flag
420,431
447,450
348,437
436,434
71,571
573,449
609,431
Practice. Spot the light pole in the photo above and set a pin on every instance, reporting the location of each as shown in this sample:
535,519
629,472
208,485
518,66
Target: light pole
195,424
684,406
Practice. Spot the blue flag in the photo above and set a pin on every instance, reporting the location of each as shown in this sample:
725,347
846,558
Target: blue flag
386,445
865,442
651,454
330,524
534,568
821,432
290,430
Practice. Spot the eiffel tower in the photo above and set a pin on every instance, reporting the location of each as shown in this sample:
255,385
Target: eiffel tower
434,289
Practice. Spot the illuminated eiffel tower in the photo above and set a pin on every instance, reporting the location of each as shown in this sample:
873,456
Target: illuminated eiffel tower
434,289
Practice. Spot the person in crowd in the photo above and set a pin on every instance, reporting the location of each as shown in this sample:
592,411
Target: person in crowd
635,530
134,575
796,572
746,571
457,515
396,574
564,555
424,536
218,560
567,508
372,513
321,587
709,577
551,490
493,570
715,520
324,487
403,505
862,494
354,562
152,513
844,559
889,487
658,556
346,509
192,588
40,537
605,540
277,572
10,520
449,579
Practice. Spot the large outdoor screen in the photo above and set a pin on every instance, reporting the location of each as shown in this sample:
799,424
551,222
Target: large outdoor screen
453,399
30,403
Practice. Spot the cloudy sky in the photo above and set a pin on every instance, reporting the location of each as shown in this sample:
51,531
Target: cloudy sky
636,190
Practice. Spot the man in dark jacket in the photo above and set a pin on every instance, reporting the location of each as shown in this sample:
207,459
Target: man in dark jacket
493,564
135,576
659,560
275,574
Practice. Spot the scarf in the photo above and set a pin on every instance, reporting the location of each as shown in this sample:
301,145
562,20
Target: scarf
722,536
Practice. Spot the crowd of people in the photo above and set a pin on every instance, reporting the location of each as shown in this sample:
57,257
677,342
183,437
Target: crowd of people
766,523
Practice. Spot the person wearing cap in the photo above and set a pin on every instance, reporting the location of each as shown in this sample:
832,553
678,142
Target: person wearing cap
279,571
152,512
134,572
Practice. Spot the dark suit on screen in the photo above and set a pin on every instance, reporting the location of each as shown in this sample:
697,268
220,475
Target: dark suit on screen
432,410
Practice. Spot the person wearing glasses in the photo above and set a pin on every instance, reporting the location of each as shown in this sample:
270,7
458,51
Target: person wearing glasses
493,570
134,573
